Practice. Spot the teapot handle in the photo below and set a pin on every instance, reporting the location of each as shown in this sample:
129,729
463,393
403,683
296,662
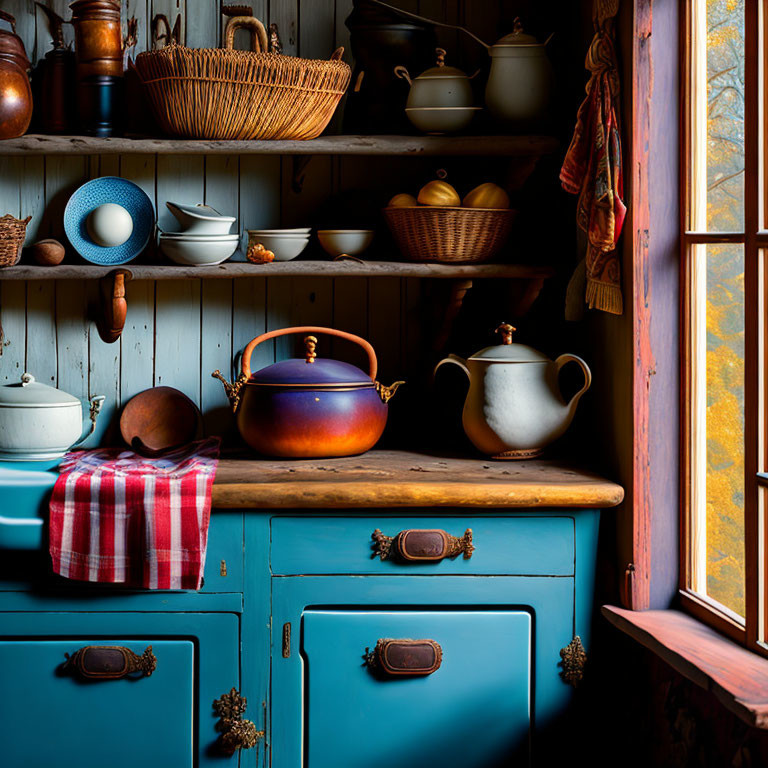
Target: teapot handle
245,365
562,360
93,414
401,72
456,360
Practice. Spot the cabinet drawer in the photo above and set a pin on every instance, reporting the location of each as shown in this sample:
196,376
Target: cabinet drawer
49,717
530,546
473,711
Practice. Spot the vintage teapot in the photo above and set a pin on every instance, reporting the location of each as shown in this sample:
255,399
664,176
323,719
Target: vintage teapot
438,86
514,408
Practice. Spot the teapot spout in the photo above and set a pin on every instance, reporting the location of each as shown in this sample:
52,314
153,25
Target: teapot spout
232,389
387,393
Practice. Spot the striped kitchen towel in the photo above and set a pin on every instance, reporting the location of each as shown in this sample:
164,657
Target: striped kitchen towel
119,517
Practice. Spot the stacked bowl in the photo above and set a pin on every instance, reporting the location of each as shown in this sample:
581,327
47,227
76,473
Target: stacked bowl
204,239
286,244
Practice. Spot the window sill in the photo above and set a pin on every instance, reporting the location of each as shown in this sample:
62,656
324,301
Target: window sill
736,676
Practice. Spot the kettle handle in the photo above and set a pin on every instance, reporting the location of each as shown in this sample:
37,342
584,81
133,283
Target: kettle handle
401,72
245,365
456,360
562,360
93,414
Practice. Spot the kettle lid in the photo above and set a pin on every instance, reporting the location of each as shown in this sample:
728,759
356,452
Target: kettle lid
440,70
33,394
518,36
508,352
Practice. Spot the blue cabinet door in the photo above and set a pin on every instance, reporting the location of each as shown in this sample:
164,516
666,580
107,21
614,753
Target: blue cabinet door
49,717
472,712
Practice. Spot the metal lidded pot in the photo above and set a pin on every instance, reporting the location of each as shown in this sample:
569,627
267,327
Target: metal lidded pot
38,422
311,407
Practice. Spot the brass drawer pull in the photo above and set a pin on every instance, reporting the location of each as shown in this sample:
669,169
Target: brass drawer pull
404,657
110,662
421,545
234,732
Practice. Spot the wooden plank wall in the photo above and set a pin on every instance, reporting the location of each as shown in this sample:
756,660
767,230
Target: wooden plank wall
178,332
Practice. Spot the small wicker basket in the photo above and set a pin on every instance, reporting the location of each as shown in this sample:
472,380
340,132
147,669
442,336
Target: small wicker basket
12,234
451,235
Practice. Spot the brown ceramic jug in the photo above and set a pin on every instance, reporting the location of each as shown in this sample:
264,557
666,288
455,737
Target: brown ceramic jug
15,90
98,38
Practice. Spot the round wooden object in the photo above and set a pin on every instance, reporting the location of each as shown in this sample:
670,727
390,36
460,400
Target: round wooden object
158,419
48,253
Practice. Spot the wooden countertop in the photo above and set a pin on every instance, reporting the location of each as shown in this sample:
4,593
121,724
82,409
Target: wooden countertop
407,479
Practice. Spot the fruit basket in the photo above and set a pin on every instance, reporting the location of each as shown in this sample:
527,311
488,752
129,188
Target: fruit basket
449,234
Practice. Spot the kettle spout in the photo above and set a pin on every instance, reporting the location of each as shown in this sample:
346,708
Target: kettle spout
233,389
387,393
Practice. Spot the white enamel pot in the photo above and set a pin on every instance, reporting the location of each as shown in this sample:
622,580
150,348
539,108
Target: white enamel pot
38,422
514,408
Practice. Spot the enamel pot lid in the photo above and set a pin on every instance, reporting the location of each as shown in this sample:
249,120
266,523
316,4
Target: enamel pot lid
509,352
29,393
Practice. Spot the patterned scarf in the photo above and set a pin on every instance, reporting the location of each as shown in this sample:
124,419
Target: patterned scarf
592,167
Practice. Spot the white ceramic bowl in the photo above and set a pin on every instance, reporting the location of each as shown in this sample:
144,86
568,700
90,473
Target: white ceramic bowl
441,119
199,251
201,219
286,232
285,247
349,241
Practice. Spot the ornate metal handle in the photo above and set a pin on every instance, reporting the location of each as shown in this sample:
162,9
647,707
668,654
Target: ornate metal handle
235,733
110,662
426,546
404,657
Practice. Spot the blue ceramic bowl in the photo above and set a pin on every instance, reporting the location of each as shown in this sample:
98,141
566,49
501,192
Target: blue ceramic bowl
109,189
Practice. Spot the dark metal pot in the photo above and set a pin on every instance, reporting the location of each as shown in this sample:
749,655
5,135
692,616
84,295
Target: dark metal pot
310,408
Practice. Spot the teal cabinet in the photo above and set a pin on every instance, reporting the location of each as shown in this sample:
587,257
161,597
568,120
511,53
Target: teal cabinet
474,710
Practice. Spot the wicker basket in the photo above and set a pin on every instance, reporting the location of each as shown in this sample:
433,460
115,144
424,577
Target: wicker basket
228,94
452,235
12,233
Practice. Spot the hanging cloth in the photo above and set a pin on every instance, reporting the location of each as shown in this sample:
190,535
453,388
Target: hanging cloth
592,166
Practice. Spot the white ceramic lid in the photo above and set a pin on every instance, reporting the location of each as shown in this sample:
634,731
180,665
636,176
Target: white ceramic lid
508,352
29,393
518,37
202,212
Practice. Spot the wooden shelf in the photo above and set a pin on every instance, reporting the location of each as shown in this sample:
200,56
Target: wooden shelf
501,146
736,676
280,269
392,479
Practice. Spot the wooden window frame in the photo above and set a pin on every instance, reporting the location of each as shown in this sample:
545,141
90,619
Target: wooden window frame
752,632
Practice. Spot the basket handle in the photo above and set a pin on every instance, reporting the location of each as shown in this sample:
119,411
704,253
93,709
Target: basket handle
338,54
259,42
245,365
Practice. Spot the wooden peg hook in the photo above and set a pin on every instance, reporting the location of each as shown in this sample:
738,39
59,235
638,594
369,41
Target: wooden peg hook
114,307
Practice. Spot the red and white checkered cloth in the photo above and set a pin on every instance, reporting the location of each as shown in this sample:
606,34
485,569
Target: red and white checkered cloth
119,517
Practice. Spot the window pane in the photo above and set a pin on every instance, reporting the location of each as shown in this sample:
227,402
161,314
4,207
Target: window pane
718,424
717,178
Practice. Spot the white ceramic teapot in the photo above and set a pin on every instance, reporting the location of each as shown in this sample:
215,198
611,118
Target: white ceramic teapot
514,408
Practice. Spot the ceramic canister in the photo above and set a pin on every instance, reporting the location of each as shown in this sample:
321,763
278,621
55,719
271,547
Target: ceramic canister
39,422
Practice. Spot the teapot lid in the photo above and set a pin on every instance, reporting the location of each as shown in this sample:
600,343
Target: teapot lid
29,393
508,352
311,372
518,36
441,71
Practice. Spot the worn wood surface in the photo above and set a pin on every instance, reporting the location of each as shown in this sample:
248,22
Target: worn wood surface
738,677
507,146
279,269
407,479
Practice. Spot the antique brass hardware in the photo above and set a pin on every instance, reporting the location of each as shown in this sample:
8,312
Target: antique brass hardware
404,657
234,732
415,545
110,662
574,657
287,640
223,568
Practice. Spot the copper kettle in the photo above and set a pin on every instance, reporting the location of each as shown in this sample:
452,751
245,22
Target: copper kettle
15,89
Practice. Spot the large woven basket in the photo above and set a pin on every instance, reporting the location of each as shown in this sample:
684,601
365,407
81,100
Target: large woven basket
229,94
451,235
12,233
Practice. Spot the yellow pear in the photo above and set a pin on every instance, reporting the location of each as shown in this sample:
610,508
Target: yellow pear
402,201
487,196
439,193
